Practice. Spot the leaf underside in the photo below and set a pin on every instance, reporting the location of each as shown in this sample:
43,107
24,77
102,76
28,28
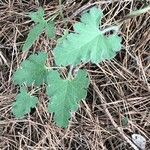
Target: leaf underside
87,43
65,95
32,70
23,104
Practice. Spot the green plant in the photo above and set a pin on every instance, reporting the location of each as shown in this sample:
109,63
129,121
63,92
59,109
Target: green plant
40,25
86,44
24,102
32,70
139,12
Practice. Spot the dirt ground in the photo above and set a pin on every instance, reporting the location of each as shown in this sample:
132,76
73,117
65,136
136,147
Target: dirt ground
118,101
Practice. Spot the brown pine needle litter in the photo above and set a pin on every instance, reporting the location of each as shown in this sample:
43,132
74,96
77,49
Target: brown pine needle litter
118,101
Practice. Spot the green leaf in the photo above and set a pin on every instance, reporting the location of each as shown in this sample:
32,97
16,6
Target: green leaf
125,121
23,104
65,95
37,16
32,70
60,40
33,35
40,26
50,29
87,43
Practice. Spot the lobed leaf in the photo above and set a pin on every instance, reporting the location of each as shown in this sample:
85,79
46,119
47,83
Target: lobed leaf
38,16
33,35
23,104
32,70
50,29
40,26
65,95
87,43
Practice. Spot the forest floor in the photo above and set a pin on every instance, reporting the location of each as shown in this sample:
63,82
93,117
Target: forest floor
118,101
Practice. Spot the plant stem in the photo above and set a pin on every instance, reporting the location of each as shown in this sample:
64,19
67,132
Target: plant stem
112,28
70,72
139,12
61,13
60,9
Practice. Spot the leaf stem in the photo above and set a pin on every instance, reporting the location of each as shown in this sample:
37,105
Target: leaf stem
112,28
61,13
139,12
70,72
